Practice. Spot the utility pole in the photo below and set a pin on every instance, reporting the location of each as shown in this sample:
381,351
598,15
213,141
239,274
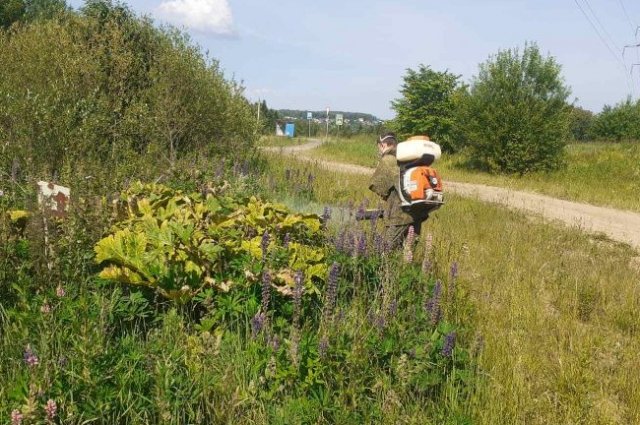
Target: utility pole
258,110
326,135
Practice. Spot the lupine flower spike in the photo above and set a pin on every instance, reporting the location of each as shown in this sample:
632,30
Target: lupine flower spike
408,247
51,409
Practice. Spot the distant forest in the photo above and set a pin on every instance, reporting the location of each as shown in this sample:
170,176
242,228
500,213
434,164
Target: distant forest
294,113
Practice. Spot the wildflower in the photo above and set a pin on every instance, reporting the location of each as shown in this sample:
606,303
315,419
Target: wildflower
454,270
348,243
393,308
274,342
378,243
361,248
45,308
380,322
449,344
326,216
60,292
360,214
408,247
286,240
428,246
30,357
51,409
257,323
332,291
16,417
323,346
339,241
266,290
432,306
264,244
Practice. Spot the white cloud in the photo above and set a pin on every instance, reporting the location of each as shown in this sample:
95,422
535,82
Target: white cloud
208,16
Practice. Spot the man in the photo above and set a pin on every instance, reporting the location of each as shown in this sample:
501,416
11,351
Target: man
385,183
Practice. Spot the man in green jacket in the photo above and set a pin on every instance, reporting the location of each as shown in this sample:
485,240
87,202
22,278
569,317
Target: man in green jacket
385,183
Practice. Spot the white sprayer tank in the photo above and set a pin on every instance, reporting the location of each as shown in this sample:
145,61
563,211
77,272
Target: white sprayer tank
417,147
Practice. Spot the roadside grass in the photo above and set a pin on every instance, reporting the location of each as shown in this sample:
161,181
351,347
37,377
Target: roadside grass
275,141
556,312
605,174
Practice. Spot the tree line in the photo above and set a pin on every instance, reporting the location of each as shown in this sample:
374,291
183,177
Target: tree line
513,117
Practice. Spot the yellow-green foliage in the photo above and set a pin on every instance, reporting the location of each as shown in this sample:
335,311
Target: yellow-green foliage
181,243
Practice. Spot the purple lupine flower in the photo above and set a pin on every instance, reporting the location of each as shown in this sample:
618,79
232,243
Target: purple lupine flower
451,288
274,342
257,323
408,247
287,240
348,246
393,308
60,292
332,291
449,344
323,346
432,306
339,241
360,214
361,250
378,243
264,244
30,358
266,291
16,417
454,270
51,409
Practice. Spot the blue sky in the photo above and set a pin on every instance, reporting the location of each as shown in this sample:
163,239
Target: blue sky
351,55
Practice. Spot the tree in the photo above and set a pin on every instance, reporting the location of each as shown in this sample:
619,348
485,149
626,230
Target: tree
580,124
29,10
516,117
621,122
427,106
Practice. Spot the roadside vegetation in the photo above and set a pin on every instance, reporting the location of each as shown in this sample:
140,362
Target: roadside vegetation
194,280
552,311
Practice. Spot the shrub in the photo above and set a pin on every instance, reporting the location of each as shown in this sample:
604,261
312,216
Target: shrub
516,117
620,122
427,106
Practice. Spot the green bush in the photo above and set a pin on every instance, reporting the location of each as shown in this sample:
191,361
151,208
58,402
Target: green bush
105,88
620,122
428,106
516,116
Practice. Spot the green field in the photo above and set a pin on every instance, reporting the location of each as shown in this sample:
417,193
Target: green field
606,174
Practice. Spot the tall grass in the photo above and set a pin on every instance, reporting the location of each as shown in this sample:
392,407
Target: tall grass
556,312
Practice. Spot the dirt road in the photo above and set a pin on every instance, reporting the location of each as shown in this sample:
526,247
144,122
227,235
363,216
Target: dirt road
622,226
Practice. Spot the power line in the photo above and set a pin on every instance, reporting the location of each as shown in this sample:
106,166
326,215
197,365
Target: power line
626,14
604,41
606,33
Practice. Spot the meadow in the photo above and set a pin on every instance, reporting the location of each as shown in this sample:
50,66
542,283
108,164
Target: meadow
605,174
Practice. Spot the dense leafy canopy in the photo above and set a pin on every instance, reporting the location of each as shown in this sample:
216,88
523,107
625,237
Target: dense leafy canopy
517,117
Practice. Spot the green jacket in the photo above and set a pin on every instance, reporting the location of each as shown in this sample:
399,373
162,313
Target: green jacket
384,182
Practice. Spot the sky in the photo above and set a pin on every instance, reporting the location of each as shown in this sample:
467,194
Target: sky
352,55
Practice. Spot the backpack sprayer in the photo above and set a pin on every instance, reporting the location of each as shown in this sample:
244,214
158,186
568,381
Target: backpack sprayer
420,184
